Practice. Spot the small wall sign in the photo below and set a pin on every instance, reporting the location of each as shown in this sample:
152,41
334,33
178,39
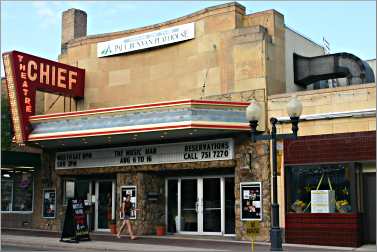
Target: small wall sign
146,40
322,201
251,201
252,228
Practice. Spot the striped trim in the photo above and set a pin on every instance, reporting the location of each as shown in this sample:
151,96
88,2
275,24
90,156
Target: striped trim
139,129
136,107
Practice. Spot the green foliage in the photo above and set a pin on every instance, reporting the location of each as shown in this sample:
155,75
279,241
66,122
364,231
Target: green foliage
6,133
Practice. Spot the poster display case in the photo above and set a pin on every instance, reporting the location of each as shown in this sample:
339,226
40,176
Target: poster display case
251,201
131,190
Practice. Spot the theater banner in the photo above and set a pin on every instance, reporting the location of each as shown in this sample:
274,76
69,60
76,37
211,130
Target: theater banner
146,40
25,74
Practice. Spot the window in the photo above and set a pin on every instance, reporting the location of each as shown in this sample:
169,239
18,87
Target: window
17,191
320,188
69,190
6,194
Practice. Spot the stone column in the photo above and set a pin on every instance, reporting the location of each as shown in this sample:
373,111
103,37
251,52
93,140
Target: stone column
259,172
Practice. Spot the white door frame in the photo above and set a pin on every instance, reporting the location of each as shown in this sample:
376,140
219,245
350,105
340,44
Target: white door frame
97,202
199,203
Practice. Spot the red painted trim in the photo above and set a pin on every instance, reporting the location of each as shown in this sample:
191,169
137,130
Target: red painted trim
216,126
146,129
142,106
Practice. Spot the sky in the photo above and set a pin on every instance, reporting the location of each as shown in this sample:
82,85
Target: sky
34,27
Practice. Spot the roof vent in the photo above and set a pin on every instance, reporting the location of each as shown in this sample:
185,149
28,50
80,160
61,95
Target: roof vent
308,70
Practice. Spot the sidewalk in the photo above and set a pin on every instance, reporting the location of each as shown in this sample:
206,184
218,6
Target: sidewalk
107,242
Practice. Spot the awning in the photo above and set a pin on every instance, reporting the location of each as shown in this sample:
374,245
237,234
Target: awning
24,160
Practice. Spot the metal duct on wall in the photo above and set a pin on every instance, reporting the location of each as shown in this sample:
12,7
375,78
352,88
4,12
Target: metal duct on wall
308,70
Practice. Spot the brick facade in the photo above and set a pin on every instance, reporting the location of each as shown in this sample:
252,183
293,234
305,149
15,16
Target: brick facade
359,146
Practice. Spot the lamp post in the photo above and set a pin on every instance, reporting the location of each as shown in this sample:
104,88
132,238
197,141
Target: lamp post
253,113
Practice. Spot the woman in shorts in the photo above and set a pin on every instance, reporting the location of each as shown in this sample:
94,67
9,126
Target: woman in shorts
126,212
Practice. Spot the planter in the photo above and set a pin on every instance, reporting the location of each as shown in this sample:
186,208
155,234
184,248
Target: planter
160,230
326,229
113,227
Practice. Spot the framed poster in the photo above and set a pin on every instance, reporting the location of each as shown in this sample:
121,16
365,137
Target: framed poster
251,201
132,191
49,203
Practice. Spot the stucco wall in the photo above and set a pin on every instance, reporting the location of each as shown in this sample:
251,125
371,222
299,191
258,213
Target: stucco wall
228,54
332,100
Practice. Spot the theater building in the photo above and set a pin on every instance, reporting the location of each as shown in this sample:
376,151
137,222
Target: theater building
162,116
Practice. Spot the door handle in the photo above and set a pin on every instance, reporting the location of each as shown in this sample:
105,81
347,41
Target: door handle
196,206
202,204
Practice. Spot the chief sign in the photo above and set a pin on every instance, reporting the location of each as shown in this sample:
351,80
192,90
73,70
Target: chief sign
25,74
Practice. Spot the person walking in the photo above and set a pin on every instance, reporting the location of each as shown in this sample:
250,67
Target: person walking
126,212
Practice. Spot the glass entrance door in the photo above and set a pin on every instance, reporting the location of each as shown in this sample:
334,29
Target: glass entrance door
105,204
201,205
189,205
211,205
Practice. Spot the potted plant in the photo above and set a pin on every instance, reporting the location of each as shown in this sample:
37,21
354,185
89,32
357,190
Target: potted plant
298,206
343,206
113,226
160,230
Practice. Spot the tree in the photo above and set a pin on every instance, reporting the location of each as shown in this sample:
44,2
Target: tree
6,131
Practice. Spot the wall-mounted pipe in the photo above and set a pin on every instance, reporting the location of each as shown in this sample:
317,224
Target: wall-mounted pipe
308,70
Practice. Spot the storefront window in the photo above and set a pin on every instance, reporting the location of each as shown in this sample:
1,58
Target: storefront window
319,188
23,192
17,191
6,194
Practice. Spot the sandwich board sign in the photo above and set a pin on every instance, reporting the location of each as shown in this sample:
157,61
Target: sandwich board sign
75,228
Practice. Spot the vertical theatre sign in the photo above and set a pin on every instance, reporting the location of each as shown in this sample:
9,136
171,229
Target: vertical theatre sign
25,74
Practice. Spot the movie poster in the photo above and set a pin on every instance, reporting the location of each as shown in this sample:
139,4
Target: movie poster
49,203
251,200
132,191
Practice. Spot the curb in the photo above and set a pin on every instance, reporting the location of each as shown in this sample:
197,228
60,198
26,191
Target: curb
52,247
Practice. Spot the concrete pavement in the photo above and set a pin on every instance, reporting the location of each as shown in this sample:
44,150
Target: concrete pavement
106,242
53,243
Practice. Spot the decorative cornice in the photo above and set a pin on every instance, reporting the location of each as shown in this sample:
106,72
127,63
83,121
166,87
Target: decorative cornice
137,107
141,129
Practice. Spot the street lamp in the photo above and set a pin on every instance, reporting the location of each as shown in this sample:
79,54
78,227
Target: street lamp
253,113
